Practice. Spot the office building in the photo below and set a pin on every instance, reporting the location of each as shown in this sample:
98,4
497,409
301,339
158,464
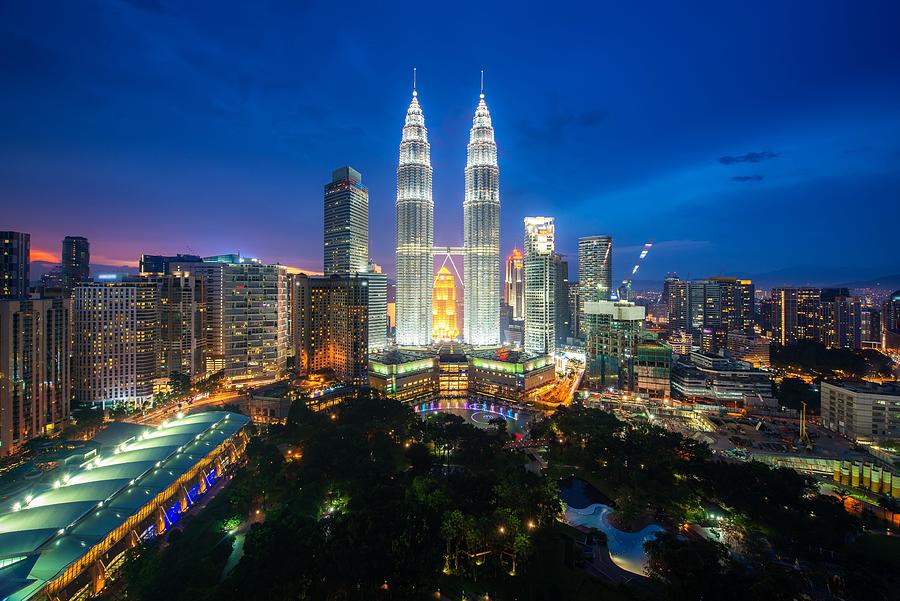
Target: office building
711,307
862,411
405,375
514,284
540,286
443,314
115,336
749,348
481,233
160,264
52,280
182,324
574,305
682,342
715,380
331,327
738,303
652,369
346,239
377,307
35,382
594,270
415,231
671,278
563,325
15,264
613,331
76,261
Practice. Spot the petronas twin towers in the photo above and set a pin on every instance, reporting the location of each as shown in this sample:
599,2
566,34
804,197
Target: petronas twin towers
415,232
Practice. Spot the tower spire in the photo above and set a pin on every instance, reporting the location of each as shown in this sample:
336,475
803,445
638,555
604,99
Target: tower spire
415,93
482,84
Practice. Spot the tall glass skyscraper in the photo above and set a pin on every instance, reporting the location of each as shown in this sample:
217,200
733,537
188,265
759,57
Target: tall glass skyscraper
346,223
481,236
415,231
540,285
594,271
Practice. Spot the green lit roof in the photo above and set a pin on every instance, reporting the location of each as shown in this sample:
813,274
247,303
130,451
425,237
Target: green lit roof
61,518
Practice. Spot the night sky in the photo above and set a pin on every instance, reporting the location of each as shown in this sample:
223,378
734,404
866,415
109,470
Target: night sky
743,139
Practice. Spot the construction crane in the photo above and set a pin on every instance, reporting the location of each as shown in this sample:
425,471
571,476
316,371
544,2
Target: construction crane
804,436
626,283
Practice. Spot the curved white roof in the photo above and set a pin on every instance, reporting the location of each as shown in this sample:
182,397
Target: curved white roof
57,522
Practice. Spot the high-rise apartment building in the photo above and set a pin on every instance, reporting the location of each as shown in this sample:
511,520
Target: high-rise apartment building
415,231
182,323
796,315
35,382
330,328
841,319
247,319
890,322
870,326
15,264
594,270
76,261
481,233
115,334
514,284
574,304
540,285
561,300
346,223
738,303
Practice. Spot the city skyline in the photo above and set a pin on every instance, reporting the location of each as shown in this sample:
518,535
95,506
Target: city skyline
807,121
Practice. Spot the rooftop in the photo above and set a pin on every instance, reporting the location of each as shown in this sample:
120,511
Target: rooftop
72,508
888,388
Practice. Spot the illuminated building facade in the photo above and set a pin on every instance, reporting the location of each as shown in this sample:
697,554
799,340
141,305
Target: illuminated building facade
443,313
182,324
613,331
247,314
415,231
481,233
76,261
330,325
405,375
841,319
115,334
563,325
796,314
862,411
653,369
594,270
890,322
514,284
540,285
35,383
346,236
377,307
15,264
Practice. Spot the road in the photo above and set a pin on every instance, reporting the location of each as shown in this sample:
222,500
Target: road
158,414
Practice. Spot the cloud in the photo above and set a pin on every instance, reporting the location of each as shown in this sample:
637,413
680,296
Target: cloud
39,254
747,178
552,130
750,157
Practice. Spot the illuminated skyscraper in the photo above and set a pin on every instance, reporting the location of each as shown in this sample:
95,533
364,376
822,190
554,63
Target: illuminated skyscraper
481,236
514,285
540,285
443,312
415,231
346,223
594,270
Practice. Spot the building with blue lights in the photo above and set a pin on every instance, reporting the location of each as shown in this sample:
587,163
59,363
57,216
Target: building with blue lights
64,533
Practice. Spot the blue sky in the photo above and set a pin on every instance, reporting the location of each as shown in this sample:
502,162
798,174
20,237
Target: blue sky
741,138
